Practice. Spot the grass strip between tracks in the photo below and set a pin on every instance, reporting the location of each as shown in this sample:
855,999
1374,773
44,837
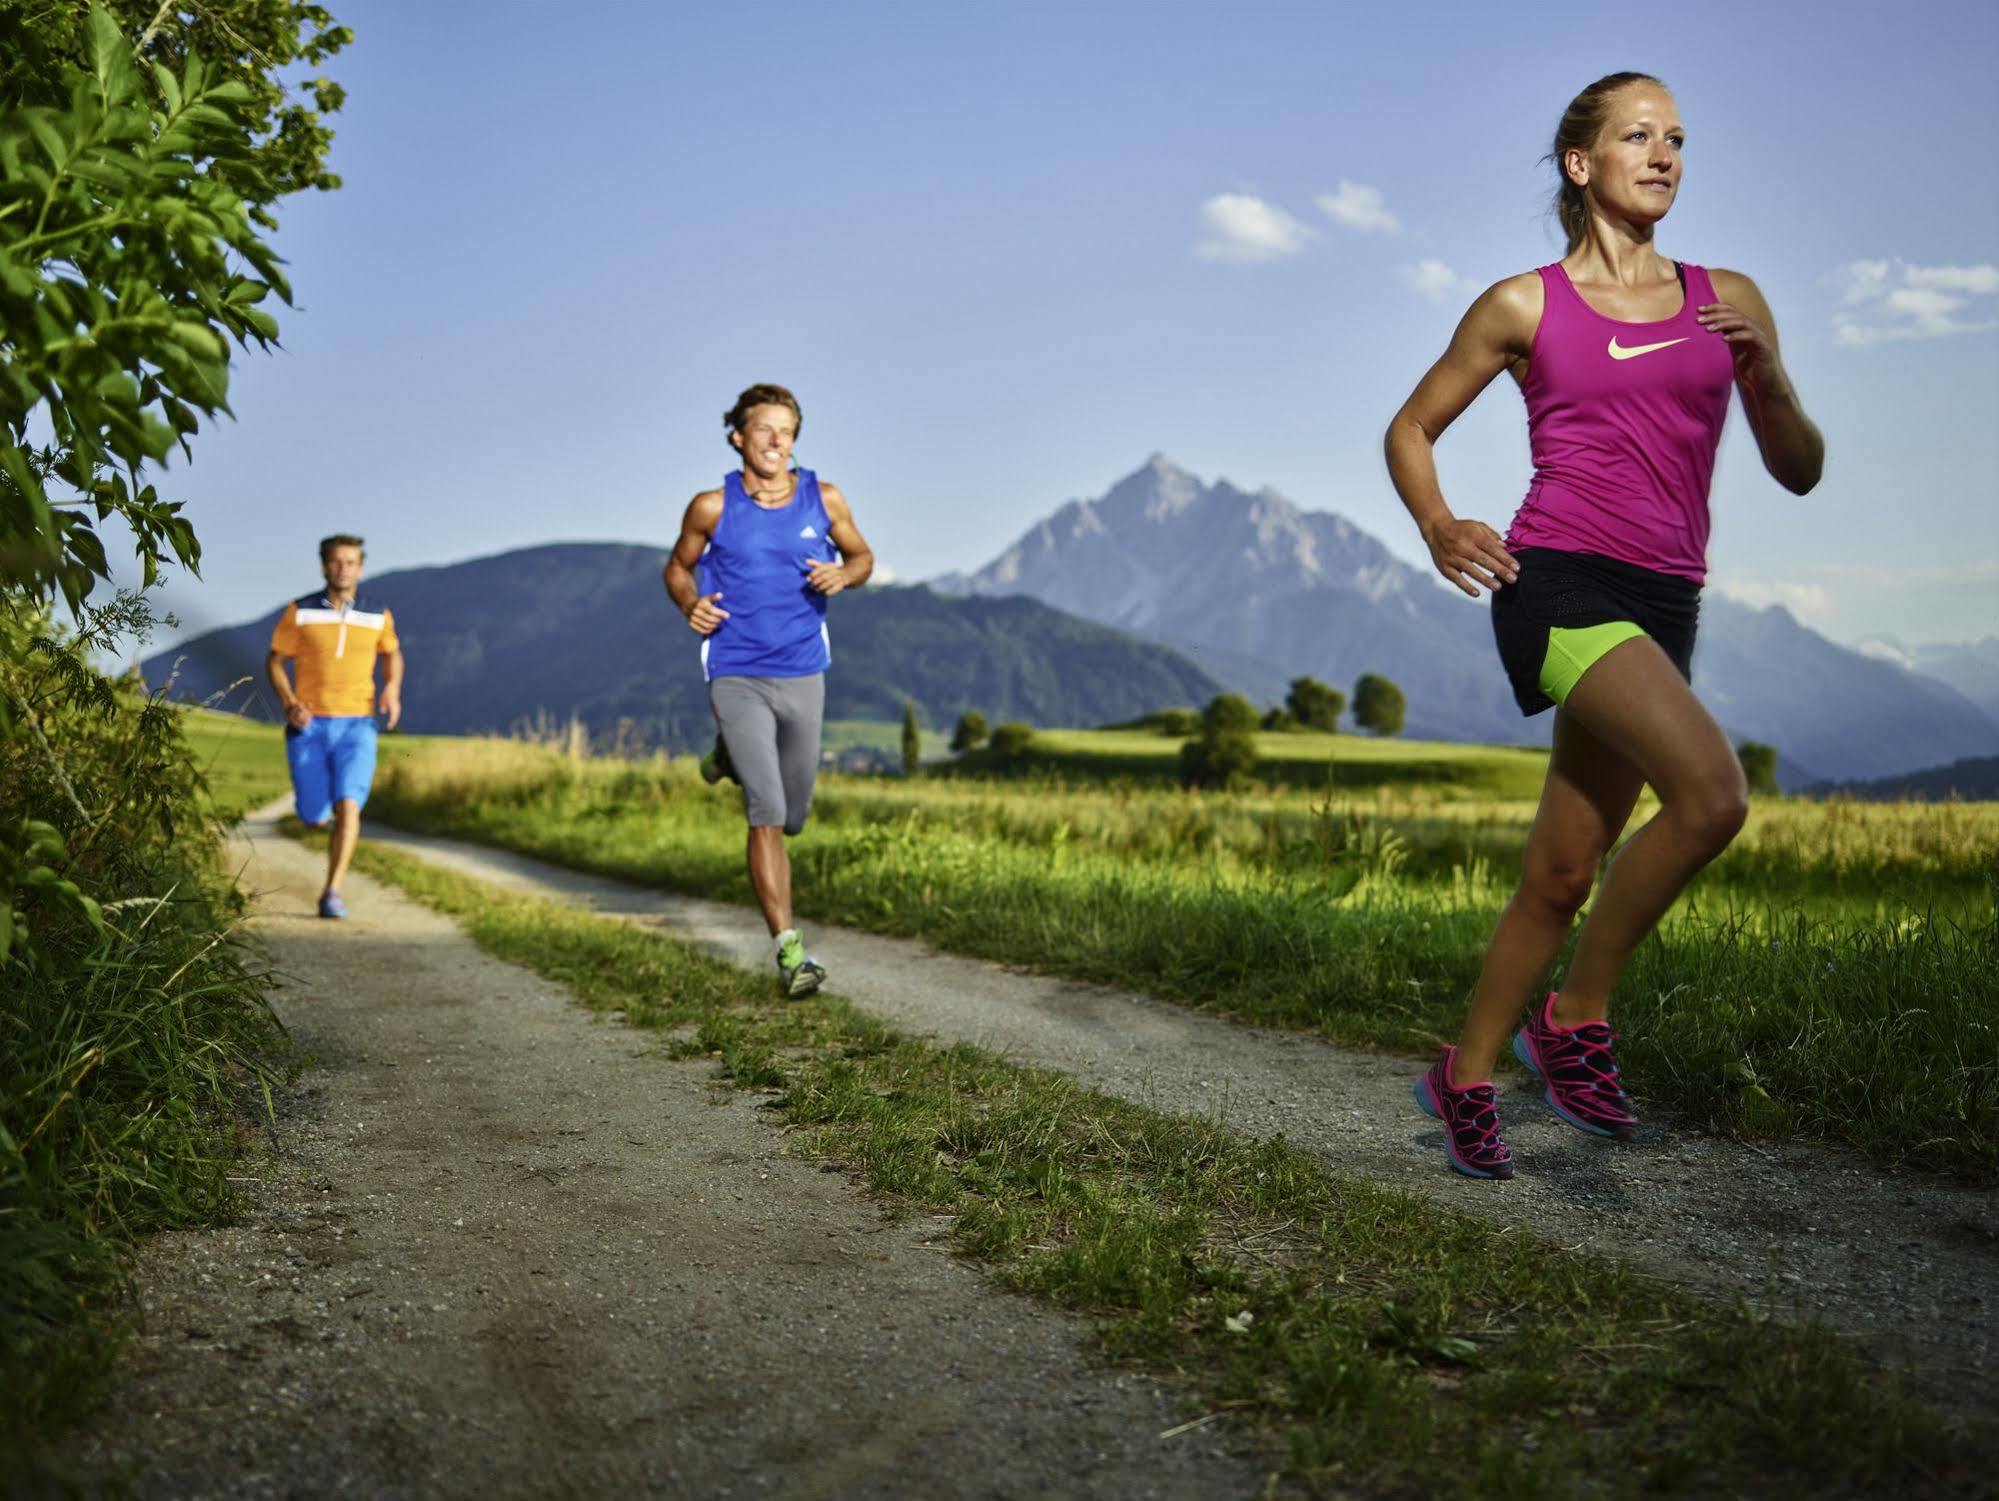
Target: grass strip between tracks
1381,1341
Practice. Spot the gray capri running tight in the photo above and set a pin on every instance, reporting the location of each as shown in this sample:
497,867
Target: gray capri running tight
771,726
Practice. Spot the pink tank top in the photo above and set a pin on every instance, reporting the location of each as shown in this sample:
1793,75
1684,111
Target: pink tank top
1624,419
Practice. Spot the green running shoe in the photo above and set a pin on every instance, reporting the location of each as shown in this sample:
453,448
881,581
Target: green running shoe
799,974
716,764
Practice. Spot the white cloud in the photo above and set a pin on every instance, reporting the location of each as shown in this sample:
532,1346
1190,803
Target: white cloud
1863,280
1358,207
1242,227
1956,278
1433,279
1887,300
1826,592
1806,601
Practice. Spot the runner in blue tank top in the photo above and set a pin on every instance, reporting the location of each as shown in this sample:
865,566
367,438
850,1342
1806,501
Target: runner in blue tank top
773,544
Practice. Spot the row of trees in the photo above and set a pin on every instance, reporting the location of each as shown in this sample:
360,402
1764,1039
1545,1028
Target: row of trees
1220,750
1378,706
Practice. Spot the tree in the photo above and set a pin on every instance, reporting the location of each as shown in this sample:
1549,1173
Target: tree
127,247
1224,753
1759,765
1178,723
1011,740
912,740
1279,718
1378,705
971,732
1314,705
1229,711
120,241
252,43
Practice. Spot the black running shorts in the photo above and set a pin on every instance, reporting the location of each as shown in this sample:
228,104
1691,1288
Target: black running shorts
1567,609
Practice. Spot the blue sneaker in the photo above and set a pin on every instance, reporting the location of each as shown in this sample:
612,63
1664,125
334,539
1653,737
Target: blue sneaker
330,905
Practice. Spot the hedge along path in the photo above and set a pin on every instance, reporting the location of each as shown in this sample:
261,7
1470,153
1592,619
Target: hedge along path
1907,1263
504,1252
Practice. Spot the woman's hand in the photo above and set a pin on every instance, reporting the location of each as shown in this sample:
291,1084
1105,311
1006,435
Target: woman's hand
1470,554
1752,344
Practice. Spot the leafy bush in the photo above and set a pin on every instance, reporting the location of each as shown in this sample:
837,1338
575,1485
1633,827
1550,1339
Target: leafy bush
134,1022
1759,765
1011,740
1229,711
970,733
1278,719
912,740
1224,753
1378,705
1315,705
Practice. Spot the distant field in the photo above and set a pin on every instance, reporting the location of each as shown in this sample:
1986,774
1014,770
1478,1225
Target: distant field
1302,759
844,734
244,760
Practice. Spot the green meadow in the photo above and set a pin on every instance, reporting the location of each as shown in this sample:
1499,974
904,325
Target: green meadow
1830,978
1304,759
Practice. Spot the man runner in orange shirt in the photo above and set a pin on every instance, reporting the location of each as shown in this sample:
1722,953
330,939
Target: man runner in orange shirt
334,636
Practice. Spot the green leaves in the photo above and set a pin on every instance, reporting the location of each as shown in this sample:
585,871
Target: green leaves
26,849
123,243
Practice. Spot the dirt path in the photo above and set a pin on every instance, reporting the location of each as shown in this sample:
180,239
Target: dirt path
504,1251
1908,1262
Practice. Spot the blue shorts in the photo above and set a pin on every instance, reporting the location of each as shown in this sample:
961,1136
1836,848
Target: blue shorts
332,758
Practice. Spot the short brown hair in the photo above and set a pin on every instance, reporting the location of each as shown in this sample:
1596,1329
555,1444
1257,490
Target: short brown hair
339,539
1582,123
761,395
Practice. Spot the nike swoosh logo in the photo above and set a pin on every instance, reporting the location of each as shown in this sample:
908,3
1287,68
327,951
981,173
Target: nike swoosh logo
1619,352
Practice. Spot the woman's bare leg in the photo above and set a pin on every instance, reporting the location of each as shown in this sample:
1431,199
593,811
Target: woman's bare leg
1645,710
1585,802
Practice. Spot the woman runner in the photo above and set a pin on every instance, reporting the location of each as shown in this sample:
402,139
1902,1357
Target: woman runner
773,544
1626,359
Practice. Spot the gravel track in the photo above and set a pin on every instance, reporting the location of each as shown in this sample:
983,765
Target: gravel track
1908,1263
499,1249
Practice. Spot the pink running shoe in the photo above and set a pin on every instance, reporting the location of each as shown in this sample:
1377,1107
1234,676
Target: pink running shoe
1579,1074
1471,1121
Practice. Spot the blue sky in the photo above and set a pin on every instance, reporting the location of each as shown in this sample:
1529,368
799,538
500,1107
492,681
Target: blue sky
1003,253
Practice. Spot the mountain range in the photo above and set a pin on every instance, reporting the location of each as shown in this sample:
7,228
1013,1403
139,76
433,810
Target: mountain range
1971,667
586,629
1258,590
1158,593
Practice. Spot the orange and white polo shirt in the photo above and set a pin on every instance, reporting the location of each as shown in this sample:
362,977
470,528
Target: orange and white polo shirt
335,647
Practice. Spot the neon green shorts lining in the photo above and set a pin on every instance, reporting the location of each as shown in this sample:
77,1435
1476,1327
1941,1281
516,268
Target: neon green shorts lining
1573,651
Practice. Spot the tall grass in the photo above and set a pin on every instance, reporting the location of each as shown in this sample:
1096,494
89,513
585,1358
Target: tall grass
1832,978
131,1052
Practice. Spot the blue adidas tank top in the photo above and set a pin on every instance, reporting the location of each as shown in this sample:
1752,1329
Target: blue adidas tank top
757,559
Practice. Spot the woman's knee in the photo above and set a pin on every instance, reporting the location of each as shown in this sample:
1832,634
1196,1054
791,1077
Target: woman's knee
1713,813
1561,883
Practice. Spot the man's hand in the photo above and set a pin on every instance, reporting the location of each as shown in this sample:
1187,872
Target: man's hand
391,707
706,616
827,578
1469,553
297,715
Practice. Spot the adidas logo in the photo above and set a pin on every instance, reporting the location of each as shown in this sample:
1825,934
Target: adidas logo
807,531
